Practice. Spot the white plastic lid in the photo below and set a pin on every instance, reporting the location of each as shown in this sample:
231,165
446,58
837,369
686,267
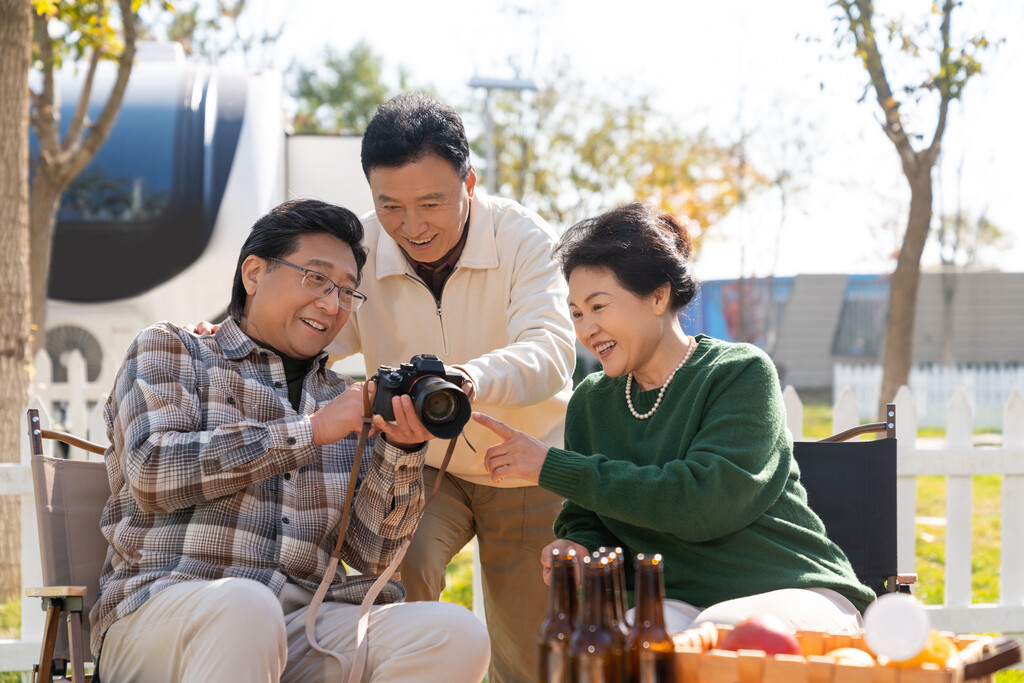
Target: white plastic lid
896,625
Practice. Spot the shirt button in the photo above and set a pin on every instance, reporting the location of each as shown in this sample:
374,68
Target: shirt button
231,400
287,476
264,354
278,384
291,440
402,468
284,520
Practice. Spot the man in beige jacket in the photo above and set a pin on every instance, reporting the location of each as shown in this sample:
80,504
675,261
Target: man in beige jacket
468,278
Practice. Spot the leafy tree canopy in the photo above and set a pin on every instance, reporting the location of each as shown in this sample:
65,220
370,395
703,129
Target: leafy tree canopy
341,95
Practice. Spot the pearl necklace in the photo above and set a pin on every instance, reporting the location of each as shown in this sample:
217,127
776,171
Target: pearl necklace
692,344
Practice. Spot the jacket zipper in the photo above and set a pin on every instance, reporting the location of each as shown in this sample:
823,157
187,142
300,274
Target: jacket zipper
437,305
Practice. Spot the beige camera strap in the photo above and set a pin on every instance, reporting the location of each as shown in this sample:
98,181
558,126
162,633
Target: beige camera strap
358,663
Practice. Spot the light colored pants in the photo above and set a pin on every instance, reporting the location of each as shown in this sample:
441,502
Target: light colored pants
512,526
238,630
802,609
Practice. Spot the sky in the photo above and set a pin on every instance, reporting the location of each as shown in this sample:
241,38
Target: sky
769,72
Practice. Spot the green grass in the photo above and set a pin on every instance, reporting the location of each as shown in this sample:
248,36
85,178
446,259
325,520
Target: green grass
10,618
10,627
459,579
931,546
931,539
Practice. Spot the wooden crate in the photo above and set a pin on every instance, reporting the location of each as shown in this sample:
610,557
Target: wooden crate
697,661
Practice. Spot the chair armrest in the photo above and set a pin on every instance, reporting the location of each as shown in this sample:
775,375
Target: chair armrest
56,592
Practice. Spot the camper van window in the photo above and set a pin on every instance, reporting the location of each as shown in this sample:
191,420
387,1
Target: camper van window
123,184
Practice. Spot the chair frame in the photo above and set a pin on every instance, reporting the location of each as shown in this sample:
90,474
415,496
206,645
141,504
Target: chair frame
896,582
58,600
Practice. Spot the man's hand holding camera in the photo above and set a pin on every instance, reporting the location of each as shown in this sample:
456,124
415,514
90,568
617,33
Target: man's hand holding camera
436,392
344,415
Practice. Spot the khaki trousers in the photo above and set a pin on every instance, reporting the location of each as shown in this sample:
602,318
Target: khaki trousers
512,526
238,630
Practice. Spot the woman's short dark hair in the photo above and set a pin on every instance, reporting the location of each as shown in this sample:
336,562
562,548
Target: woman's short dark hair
408,127
643,247
276,235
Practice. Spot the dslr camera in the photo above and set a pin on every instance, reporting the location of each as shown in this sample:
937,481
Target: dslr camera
436,395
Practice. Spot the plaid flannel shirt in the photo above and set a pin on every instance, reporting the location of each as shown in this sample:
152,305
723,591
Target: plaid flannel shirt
213,474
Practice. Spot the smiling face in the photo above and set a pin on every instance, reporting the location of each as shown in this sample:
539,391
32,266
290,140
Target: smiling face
622,329
281,313
423,205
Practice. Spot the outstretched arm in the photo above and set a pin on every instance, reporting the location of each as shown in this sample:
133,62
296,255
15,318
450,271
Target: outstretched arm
518,455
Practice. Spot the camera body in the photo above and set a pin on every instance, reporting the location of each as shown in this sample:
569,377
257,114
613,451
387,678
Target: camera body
436,394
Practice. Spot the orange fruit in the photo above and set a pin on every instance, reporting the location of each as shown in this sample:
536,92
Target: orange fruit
851,655
940,649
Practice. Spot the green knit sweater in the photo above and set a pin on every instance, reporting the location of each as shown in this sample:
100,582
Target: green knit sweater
709,481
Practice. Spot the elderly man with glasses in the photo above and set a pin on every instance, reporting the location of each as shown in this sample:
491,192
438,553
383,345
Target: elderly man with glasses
230,468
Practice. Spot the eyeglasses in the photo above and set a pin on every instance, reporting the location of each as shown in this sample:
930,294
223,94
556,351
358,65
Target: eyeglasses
321,285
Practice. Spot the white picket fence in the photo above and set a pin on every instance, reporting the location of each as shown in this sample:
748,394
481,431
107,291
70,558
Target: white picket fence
987,387
956,458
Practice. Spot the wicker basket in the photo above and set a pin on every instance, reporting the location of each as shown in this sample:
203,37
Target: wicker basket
697,661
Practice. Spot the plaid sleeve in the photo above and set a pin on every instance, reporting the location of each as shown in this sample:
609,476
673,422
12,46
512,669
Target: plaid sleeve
176,451
387,507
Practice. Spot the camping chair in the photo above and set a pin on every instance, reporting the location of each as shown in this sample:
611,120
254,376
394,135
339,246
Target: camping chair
70,495
851,485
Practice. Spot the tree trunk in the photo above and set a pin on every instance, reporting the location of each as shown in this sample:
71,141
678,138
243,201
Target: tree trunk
44,203
15,334
898,352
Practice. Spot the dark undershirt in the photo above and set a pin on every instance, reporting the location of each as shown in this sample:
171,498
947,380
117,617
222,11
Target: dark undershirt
436,274
295,370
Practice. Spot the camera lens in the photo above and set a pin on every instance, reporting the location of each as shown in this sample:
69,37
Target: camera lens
441,406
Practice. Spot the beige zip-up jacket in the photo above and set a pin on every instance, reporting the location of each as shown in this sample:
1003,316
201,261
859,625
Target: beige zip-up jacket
503,320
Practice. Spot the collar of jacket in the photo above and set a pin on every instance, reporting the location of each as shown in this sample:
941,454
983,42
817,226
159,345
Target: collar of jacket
481,249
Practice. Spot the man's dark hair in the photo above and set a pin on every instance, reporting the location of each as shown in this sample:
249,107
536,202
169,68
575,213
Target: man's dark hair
411,125
276,235
642,246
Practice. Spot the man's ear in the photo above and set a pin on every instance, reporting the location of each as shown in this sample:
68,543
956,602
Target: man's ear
471,182
253,269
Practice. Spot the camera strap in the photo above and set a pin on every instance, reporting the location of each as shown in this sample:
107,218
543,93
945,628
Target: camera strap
358,663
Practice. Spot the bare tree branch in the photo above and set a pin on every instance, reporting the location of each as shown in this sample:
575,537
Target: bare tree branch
944,92
97,133
72,137
861,25
45,116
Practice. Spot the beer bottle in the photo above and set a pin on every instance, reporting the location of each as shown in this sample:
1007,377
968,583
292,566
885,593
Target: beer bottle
650,650
621,599
597,649
617,557
557,627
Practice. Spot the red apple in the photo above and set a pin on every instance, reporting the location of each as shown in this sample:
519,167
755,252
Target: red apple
763,632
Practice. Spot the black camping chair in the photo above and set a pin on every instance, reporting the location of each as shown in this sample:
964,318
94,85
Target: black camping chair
851,485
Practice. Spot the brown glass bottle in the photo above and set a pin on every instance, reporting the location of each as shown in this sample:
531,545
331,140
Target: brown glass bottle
557,627
597,649
650,650
616,558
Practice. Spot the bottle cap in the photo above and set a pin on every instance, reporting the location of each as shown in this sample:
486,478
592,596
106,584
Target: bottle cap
896,625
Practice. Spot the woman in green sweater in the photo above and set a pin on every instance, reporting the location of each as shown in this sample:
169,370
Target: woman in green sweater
680,445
